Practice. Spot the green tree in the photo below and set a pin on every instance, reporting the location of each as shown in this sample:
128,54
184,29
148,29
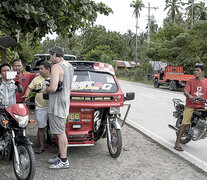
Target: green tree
129,38
137,5
202,11
174,7
192,11
43,16
101,53
98,36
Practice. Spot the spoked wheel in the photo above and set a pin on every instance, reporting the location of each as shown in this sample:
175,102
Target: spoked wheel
115,145
26,168
184,139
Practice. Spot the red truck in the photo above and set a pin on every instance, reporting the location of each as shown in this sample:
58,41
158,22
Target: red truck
172,76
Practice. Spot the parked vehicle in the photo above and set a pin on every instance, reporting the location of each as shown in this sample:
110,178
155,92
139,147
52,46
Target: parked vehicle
38,58
96,98
197,129
14,144
172,76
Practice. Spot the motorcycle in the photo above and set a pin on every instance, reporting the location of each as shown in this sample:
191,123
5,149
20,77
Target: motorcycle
14,145
198,127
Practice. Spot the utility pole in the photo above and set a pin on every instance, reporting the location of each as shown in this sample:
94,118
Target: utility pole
149,20
136,39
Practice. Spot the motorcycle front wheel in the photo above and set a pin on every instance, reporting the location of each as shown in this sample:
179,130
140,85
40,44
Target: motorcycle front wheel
184,139
115,145
27,165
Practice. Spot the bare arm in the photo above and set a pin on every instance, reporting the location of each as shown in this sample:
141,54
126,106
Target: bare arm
26,94
56,73
187,94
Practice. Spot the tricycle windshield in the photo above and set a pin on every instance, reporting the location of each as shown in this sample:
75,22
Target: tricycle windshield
97,82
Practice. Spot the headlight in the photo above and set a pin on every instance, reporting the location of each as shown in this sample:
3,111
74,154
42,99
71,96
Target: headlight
114,110
22,120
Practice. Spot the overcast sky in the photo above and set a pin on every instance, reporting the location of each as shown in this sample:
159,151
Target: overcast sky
123,19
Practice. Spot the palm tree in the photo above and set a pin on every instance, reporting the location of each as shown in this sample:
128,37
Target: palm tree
129,38
201,12
191,10
174,7
137,5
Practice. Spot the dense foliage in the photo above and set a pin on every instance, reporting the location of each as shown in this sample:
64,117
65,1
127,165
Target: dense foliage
43,16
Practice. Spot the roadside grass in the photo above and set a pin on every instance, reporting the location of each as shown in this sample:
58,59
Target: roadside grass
149,82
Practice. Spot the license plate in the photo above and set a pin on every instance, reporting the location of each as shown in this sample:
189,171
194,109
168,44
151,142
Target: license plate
73,117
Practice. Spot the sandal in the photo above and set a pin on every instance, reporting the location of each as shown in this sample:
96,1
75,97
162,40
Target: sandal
178,148
39,151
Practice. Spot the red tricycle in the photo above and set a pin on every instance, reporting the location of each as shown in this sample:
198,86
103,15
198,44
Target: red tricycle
96,98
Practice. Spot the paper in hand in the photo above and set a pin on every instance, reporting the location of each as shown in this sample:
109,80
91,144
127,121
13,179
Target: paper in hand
11,74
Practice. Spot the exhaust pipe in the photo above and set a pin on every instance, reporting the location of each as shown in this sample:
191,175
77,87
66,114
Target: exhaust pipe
176,129
173,127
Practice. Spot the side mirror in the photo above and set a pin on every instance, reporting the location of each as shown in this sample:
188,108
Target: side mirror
28,68
129,96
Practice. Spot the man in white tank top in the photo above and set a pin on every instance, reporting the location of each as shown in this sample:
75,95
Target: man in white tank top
59,102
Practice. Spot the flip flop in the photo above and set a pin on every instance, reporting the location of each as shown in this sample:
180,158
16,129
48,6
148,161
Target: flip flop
39,151
178,148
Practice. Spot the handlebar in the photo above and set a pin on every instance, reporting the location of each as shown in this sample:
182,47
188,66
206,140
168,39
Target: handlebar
200,99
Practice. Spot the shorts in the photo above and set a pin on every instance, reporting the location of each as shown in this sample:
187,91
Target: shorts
57,124
187,115
41,116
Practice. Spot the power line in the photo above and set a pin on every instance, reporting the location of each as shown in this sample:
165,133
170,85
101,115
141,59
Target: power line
149,20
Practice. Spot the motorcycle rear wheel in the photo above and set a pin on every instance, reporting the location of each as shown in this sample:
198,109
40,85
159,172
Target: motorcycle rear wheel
115,145
27,167
184,139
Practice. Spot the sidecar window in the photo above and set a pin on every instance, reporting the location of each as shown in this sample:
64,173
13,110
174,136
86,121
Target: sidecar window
89,81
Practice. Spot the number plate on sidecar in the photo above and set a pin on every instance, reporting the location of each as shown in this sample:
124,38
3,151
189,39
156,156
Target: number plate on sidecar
73,117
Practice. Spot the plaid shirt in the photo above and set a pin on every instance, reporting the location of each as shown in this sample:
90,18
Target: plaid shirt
8,93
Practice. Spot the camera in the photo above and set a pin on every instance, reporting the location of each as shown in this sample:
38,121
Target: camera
59,88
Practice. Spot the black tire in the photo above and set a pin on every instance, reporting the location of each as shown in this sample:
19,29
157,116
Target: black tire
173,86
116,141
184,139
156,84
27,168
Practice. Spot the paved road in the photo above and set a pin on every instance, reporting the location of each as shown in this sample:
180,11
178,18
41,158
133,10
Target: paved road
151,112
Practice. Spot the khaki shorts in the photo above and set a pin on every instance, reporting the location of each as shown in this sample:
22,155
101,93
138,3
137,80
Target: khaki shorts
41,117
187,115
57,124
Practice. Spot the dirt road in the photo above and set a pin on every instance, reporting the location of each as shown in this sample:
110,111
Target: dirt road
141,158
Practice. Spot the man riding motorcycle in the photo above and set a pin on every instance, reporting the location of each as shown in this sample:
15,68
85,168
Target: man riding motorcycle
195,87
